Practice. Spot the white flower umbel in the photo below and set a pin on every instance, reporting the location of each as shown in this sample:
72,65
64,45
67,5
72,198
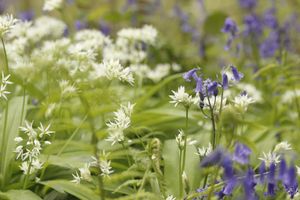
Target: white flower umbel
29,147
66,88
269,158
203,151
3,88
7,22
181,97
242,101
103,164
85,173
50,5
282,146
121,122
114,70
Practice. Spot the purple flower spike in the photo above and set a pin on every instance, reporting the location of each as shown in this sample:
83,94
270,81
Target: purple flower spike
262,170
248,4
282,169
214,158
236,74
271,181
79,25
290,181
199,85
26,15
241,153
190,74
224,81
249,185
212,87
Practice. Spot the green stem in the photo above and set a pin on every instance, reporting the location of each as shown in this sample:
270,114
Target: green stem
185,137
213,140
180,175
5,57
27,175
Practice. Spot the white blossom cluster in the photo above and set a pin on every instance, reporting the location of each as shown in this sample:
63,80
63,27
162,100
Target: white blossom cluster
181,97
7,22
50,5
121,122
30,146
3,88
203,151
103,164
67,88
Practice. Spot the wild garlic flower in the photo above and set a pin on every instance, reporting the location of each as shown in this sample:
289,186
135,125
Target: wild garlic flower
28,148
170,197
242,101
76,178
66,88
203,151
282,146
145,34
270,158
103,164
160,71
4,82
290,95
121,122
114,70
50,5
7,22
181,97
180,139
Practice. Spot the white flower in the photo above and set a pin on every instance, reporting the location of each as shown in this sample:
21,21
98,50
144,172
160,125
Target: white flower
251,90
36,164
113,69
7,22
157,74
120,123
44,131
298,170
180,139
76,178
50,5
242,101
66,88
29,130
289,96
105,168
18,139
85,173
170,197
269,158
181,97
4,82
204,150
282,146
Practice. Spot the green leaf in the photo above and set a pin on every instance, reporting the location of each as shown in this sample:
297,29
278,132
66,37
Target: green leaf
77,190
214,23
19,195
15,117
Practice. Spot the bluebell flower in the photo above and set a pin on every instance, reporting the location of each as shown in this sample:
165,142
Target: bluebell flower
104,27
236,74
262,170
190,74
253,25
26,15
271,181
241,153
199,85
289,179
224,81
282,169
270,19
248,4
214,158
249,184
230,27
79,25
270,45
212,88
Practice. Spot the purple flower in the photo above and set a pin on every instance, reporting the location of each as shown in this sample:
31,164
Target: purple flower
190,74
214,158
249,185
199,85
79,25
212,88
269,46
290,181
253,25
241,153
230,27
224,81
248,4
104,27
270,19
262,170
282,169
236,74
26,15
271,181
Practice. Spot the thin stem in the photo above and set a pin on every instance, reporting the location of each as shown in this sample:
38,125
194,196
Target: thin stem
127,154
5,57
185,137
180,175
27,175
23,104
213,140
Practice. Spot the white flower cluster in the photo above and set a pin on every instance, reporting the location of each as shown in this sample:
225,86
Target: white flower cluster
66,88
114,70
7,22
273,156
50,5
85,174
29,148
203,151
242,101
290,95
4,82
170,197
119,124
181,97
180,139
